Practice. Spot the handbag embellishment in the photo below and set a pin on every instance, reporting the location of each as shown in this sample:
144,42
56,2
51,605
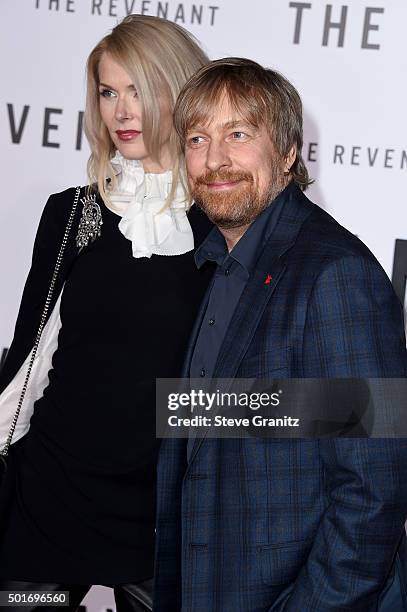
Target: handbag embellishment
91,222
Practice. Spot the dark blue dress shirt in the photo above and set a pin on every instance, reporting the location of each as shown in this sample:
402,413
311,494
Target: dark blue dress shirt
232,273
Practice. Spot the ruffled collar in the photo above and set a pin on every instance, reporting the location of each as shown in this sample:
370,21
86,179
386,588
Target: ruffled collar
139,200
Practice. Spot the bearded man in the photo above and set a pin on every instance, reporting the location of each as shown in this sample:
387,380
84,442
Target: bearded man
260,524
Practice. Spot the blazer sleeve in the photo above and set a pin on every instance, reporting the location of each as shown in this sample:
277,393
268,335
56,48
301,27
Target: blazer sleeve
46,247
172,464
354,328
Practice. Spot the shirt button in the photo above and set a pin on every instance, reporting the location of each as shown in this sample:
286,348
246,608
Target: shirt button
203,372
211,321
227,271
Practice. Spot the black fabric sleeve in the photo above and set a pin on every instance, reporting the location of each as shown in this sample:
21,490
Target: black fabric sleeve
46,247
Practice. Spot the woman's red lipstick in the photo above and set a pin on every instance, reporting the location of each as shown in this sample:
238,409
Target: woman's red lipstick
126,135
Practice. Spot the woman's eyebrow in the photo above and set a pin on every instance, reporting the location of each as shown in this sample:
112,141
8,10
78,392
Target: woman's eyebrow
101,84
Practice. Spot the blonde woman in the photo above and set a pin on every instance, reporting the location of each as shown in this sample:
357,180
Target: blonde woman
83,497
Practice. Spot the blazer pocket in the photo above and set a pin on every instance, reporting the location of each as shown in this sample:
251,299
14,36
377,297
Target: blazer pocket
266,364
281,563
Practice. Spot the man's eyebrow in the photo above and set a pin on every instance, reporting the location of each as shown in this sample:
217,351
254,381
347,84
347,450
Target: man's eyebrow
235,124
228,125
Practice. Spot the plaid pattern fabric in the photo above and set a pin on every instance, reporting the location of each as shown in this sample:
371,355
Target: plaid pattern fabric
298,525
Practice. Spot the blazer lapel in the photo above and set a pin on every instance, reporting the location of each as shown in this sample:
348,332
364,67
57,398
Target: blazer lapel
258,291
262,284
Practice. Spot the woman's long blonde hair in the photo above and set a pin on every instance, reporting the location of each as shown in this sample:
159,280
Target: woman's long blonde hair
159,56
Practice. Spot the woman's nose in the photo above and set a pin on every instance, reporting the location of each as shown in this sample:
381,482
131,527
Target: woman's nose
123,110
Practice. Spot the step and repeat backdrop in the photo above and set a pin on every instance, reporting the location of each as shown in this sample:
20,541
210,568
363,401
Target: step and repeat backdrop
348,59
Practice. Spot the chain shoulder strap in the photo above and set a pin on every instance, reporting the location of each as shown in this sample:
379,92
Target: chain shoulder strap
5,449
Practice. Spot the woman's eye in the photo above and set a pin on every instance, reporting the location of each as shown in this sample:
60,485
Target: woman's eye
107,93
238,135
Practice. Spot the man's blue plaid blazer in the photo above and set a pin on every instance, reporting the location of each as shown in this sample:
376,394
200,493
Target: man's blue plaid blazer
298,525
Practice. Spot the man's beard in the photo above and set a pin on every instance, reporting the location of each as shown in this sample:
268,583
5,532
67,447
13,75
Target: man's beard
240,206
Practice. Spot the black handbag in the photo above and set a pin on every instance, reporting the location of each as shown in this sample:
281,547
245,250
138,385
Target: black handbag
6,461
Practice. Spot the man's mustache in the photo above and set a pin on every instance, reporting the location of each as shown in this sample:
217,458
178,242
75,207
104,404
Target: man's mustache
214,177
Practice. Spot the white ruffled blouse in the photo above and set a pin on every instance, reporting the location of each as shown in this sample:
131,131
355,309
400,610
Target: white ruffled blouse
139,199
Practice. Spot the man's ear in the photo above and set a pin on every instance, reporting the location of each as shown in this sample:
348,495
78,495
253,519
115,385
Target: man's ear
290,159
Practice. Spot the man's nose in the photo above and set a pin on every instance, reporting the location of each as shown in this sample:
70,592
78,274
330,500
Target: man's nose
217,155
123,110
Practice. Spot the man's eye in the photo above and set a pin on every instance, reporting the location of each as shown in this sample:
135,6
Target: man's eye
194,140
107,93
238,135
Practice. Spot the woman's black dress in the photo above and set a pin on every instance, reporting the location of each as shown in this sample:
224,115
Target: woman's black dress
83,510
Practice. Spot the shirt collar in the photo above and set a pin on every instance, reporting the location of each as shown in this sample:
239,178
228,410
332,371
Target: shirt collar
213,248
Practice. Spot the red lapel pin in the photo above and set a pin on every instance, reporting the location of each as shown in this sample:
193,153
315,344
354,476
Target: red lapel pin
268,279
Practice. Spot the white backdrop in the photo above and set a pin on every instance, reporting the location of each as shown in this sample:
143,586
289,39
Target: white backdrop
352,78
